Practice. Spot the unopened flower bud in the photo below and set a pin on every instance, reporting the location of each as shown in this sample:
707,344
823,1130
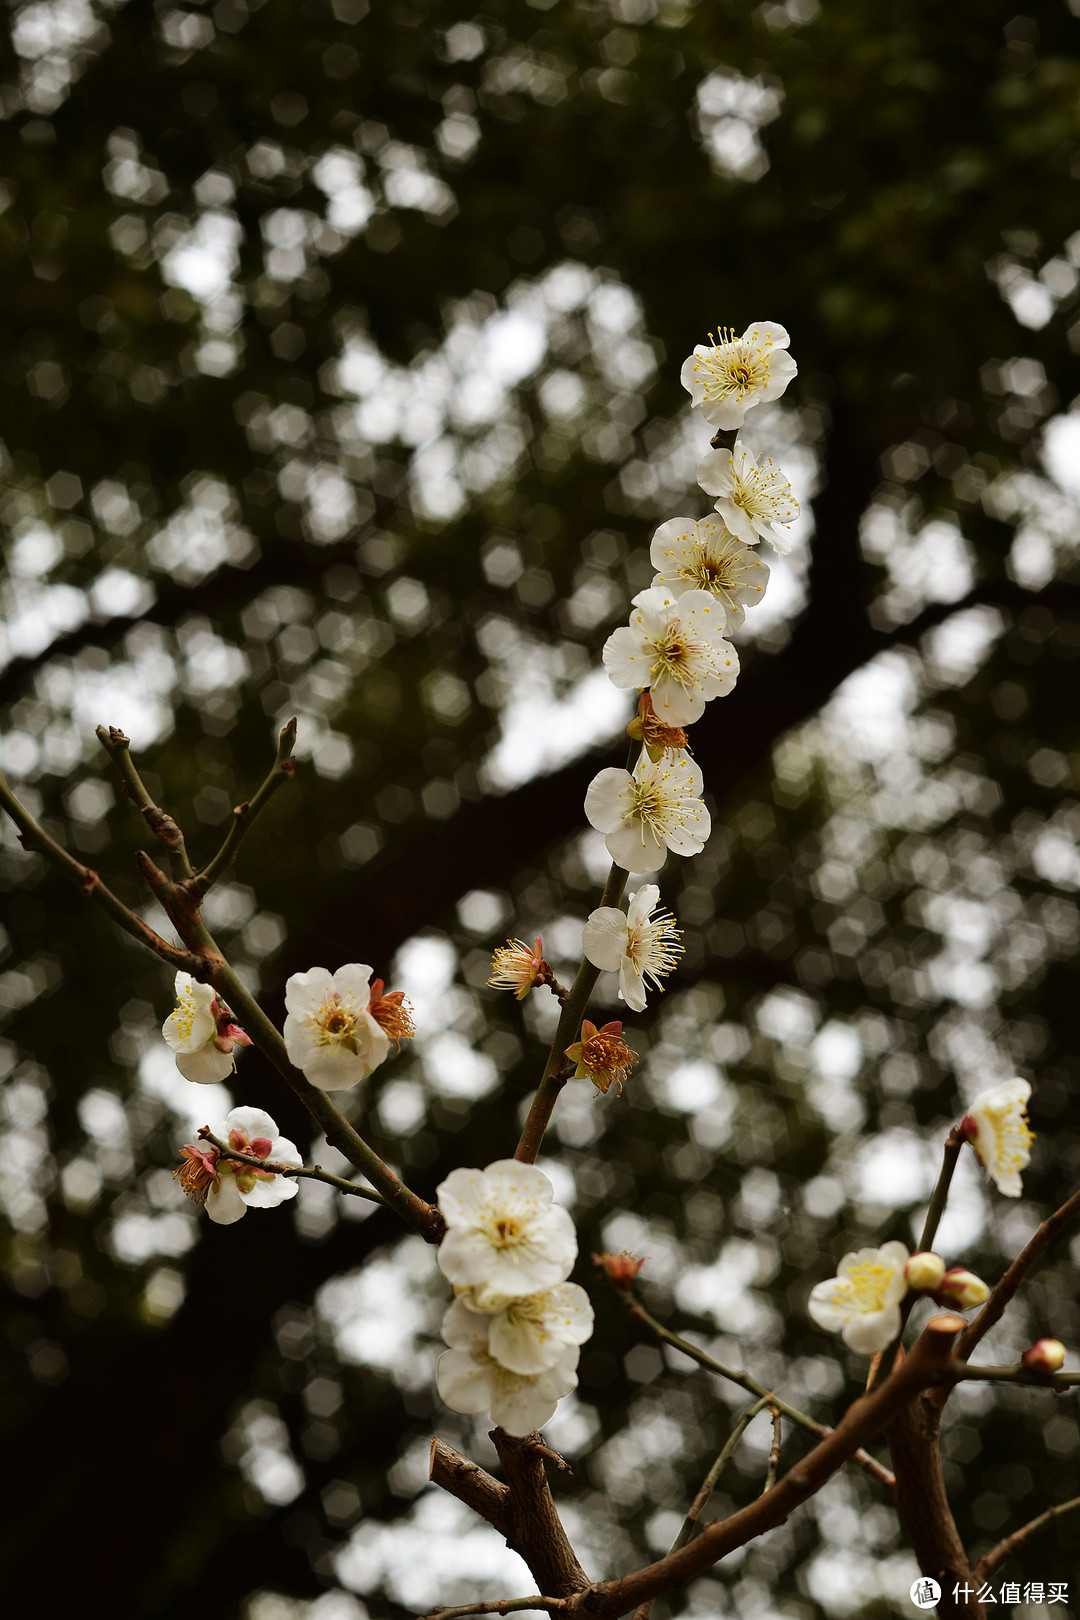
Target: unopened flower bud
961,1289
1045,1356
620,1269
924,1272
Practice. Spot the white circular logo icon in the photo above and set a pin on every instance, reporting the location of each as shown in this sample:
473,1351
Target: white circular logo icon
925,1592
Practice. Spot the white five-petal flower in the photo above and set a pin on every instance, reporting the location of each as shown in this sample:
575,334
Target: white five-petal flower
693,555
644,815
329,1032
753,497
504,1233
239,1187
531,1332
202,1042
675,645
637,944
862,1302
729,377
997,1128
470,1379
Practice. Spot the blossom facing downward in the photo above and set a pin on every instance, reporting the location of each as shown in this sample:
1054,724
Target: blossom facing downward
996,1125
504,1233
862,1302
656,738
330,1031
228,1187
674,645
201,1032
730,375
470,1379
644,815
602,1056
691,555
641,944
753,497
1045,1356
516,966
530,1333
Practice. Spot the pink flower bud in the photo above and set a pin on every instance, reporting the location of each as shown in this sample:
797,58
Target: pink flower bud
620,1269
961,1289
924,1272
1045,1356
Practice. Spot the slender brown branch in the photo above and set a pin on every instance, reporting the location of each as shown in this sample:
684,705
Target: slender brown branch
282,771
927,1364
1005,1549
774,1450
32,836
1003,1291
161,824
533,1526
954,1143
968,1372
751,1385
315,1173
557,1068
708,1485
470,1483
501,1606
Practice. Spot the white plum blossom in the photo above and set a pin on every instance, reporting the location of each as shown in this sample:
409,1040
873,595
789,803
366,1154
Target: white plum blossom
201,1033
703,555
862,1302
644,815
329,1032
752,496
504,1233
228,1187
730,375
639,945
674,645
996,1125
470,1379
532,1332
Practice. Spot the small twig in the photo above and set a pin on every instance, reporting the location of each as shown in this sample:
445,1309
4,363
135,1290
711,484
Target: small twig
1003,1291
161,824
316,1173
774,1449
556,1070
708,1485
1005,1549
501,1606
967,1372
282,771
751,1385
32,836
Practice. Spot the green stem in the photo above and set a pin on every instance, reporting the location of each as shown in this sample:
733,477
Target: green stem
244,814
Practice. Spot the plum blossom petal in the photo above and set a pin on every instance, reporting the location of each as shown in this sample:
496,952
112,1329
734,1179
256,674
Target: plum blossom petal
644,815
703,555
473,1381
754,498
329,1032
732,374
862,1302
504,1232
201,1033
997,1127
641,944
674,645
230,1187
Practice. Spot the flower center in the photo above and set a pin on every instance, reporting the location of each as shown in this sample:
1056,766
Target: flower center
506,1232
865,1286
654,948
185,1013
334,1022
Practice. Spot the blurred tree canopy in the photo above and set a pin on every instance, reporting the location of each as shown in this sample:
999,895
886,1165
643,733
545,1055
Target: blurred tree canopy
339,378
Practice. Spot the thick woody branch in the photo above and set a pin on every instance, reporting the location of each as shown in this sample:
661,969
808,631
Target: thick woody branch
282,771
923,1503
534,1528
926,1366
1005,1549
470,1483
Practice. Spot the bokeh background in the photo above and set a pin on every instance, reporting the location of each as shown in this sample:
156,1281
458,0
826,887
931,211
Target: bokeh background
339,378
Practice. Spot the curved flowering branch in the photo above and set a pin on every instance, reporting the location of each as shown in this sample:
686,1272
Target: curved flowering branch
314,1173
